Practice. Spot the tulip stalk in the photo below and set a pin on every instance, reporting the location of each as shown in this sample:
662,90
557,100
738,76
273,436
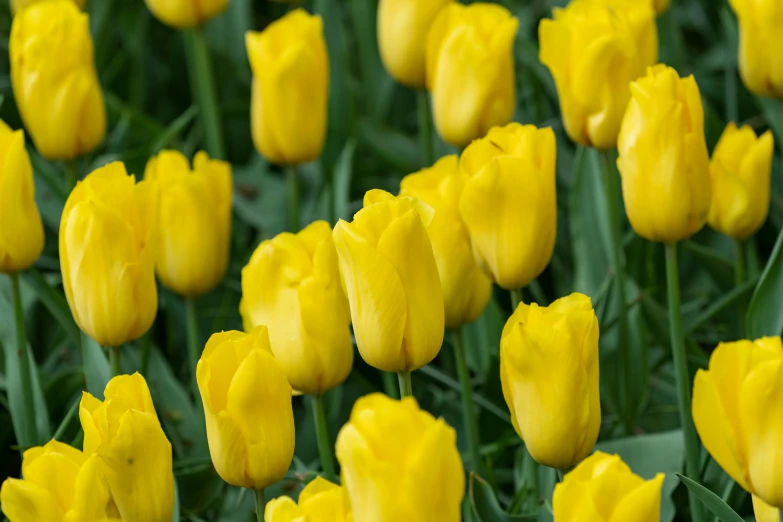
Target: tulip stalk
322,436
260,504
468,408
425,128
292,180
191,327
404,380
25,376
202,85
114,360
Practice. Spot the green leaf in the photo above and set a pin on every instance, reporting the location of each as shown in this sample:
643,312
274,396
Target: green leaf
54,302
343,172
486,506
713,502
174,129
764,317
399,149
95,365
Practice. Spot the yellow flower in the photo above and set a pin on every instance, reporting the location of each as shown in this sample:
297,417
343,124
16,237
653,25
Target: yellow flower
54,80
663,157
107,233
60,484
466,289
392,283
135,455
247,404
182,14
739,415
400,463
594,49
403,26
741,169
470,70
549,374
21,229
764,512
509,202
319,501
17,5
604,489
760,45
194,222
290,88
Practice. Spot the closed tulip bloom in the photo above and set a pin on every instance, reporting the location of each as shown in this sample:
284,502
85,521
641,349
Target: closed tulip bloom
392,282
470,70
17,5
319,501
194,223
663,159
760,46
741,169
594,49
509,203
135,456
182,14
466,289
54,80
400,463
21,229
604,489
290,88
247,404
549,374
107,257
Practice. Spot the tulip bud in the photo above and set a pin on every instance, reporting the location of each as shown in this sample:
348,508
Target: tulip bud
663,157
760,46
470,70
247,404
584,494
319,501
54,80
18,5
594,49
741,167
739,415
392,282
194,222
549,374
107,234
183,14
466,289
290,88
135,456
509,202
400,463
21,229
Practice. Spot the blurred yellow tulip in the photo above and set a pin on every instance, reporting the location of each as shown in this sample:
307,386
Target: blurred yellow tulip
290,88
470,70
17,5
663,157
400,463
760,45
54,80
319,501
183,14
392,282
509,203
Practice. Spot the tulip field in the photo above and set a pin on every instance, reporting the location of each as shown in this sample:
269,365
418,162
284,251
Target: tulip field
391,261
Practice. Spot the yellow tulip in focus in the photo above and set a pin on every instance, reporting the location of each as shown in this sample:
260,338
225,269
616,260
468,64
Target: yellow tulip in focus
509,203
135,455
247,404
663,158
290,88
764,512
54,80
604,489
760,45
319,501
741,168
470,70
17,5
400,463
107,257
183,14
194,222
392,282
466,289
594,49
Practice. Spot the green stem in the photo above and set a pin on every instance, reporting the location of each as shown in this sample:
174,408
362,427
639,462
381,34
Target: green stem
425,128
292,179
202,85
260,505
739,269
70,176
322,436
682,376
468,408
114,360
516,298
25,376
194,353
390,385
145,354
404,380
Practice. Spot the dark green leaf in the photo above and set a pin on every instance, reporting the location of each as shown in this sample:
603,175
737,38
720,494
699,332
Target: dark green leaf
713,502
486,506
343,172
95,365
54,302
764,317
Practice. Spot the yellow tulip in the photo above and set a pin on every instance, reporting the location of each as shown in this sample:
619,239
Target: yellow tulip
760,45
400,463
194,222
247,404
183,14
290,88
392,283
319,501
739,415
107,259
663,158
21,229
54,80
292,285
403,26
60,484
604,489
741,168
466,289
594,49
509,203
470,70
764,512
549,374
135,456
17,5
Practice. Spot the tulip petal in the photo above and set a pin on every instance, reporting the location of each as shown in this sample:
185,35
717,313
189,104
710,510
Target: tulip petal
54,467
764,512
643,504
24,501
228,448
283,509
